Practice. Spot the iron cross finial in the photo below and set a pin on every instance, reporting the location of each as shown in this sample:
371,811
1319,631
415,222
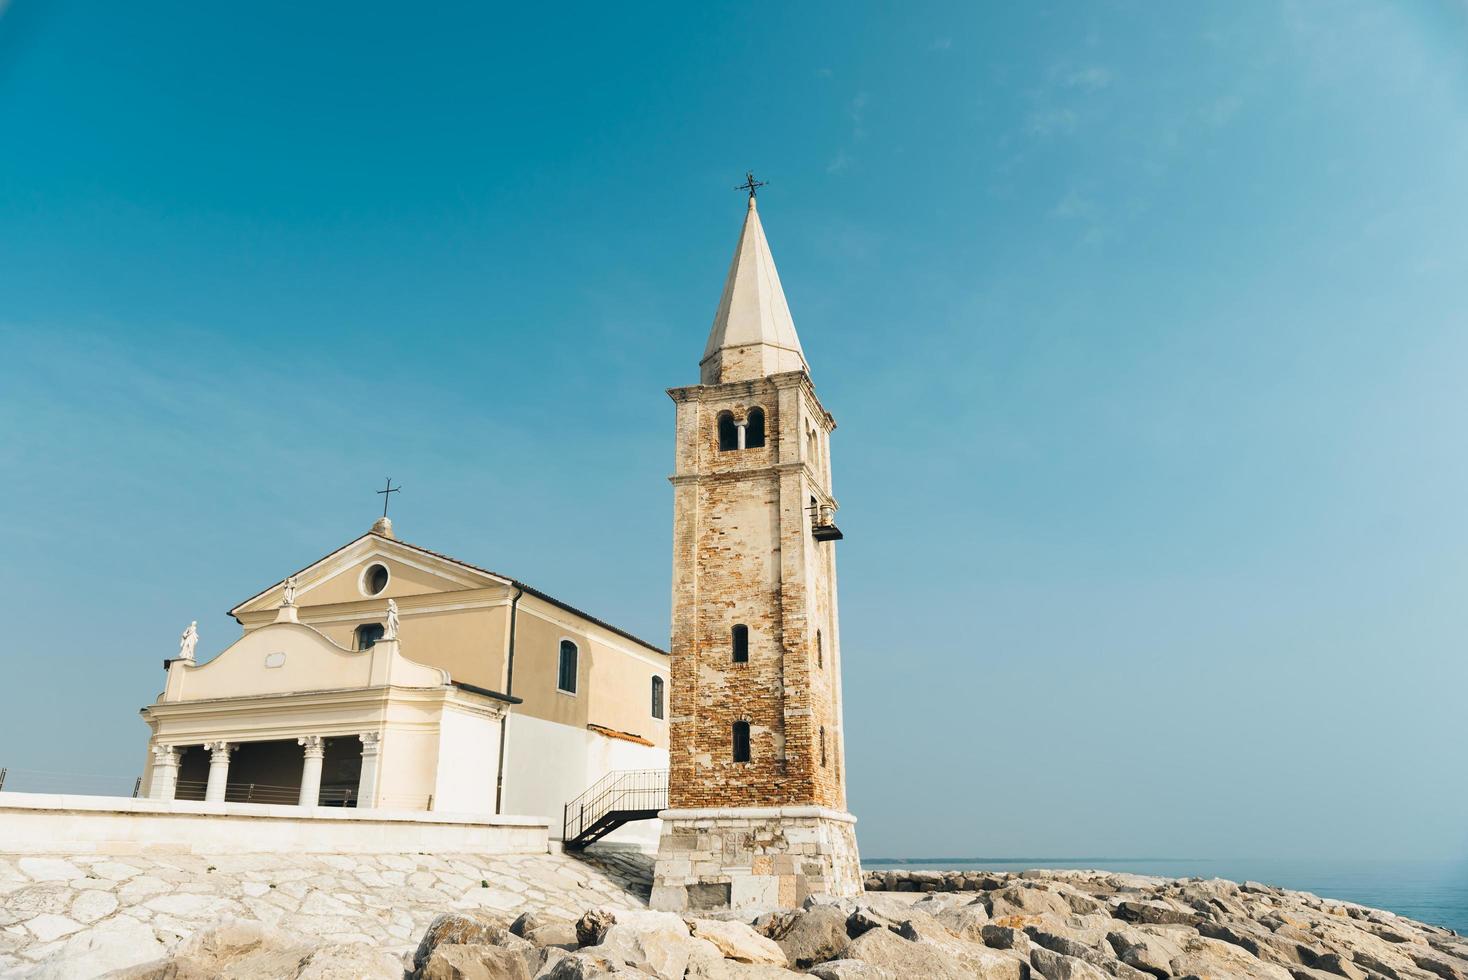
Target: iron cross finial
750,183
387,494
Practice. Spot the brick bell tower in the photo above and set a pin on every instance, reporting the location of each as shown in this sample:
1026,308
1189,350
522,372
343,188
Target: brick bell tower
757,786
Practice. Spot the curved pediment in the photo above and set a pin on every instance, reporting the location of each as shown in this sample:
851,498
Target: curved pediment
286,658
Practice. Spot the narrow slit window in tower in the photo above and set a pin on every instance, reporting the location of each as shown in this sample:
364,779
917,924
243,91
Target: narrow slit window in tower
820,652
740,637
741,741
823,746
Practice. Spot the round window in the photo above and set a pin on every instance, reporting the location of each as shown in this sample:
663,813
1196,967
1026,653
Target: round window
374,580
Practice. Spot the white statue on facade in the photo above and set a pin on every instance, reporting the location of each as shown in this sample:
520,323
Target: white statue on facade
391,633
188,641
290,591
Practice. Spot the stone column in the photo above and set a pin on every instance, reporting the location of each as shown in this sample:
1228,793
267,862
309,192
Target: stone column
164,784
367,784
315,750
218,771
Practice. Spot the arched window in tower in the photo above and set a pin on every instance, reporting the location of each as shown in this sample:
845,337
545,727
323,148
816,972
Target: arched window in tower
823,746
754,429
368,634
566,675
739,642
741,741
657,697
728,432
820,651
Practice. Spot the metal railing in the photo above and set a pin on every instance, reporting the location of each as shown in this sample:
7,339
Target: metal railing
622,790
15,780
191,789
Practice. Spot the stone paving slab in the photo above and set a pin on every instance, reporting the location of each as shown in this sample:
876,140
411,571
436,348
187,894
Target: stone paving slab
75,916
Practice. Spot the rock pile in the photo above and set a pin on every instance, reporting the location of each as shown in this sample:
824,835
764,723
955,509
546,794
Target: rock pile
1055,925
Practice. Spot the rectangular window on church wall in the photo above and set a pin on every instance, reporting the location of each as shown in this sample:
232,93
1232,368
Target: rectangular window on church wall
567,678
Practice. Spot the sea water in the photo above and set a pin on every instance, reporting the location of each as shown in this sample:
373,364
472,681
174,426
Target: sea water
1429,891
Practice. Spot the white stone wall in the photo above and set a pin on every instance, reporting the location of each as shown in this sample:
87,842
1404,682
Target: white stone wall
547,765
754,858
45,823
468,757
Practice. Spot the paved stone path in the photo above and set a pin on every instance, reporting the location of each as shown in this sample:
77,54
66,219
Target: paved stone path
65,916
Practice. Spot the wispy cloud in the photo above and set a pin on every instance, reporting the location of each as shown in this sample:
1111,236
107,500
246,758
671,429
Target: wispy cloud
1052,120
941,44
1092,78
856,110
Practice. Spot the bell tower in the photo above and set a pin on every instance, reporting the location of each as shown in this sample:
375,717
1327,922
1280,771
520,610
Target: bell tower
757,787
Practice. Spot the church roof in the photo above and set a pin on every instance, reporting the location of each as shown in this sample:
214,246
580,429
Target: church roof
753,321
503,579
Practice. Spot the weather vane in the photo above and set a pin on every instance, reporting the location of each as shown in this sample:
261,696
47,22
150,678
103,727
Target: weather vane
750,183
387,494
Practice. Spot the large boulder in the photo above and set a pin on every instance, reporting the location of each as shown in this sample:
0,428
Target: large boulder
473,928
1024,900
812,936
1212,957
1057,966
904,958
240,949
966,922
852,970
659,943
455,961
716,968
584,965
974,959
545,930
737,941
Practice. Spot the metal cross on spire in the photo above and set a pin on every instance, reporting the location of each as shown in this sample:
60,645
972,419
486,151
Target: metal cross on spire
387,494
750,183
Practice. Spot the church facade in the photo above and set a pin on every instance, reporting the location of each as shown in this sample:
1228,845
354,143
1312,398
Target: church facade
386,675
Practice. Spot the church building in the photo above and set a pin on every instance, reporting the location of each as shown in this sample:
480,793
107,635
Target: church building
387,675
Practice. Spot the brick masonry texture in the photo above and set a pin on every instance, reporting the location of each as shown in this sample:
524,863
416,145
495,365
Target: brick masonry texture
744,554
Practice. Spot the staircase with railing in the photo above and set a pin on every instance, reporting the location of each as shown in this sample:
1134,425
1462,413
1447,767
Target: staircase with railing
617,798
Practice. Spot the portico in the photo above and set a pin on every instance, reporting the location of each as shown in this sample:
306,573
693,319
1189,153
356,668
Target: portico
285,716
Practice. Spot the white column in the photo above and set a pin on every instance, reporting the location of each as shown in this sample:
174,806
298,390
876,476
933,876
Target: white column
315,749
741,435
164,784
218,771
367,784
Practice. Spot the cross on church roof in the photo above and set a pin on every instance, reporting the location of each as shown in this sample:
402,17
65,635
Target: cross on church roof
387,494
750,183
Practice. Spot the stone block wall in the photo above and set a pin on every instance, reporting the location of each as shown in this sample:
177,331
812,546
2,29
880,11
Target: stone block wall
755,857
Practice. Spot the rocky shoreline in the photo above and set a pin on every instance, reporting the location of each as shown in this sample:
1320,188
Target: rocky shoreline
1055,925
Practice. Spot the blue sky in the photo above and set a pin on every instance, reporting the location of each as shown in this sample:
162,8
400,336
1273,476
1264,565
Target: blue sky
1145,326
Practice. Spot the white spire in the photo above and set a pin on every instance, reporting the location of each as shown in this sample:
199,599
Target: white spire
753,334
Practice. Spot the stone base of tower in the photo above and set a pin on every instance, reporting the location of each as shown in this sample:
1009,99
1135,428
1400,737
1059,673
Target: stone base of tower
740,858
